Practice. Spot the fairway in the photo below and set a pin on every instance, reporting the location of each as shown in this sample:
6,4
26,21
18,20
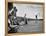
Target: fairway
32,26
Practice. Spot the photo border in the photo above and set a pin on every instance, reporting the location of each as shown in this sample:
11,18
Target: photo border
22,2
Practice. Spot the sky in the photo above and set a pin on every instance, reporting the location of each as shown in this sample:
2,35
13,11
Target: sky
30,10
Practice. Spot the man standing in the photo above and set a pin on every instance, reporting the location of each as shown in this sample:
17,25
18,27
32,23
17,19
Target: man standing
36,16
25,19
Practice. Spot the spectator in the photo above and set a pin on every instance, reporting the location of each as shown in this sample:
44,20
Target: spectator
25,20
36,16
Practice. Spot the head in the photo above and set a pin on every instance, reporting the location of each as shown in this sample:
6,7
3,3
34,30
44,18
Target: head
15,9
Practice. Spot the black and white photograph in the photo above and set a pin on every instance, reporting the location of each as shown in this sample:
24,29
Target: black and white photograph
25,17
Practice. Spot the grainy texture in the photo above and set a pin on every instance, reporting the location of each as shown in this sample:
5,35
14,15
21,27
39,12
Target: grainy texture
32,26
